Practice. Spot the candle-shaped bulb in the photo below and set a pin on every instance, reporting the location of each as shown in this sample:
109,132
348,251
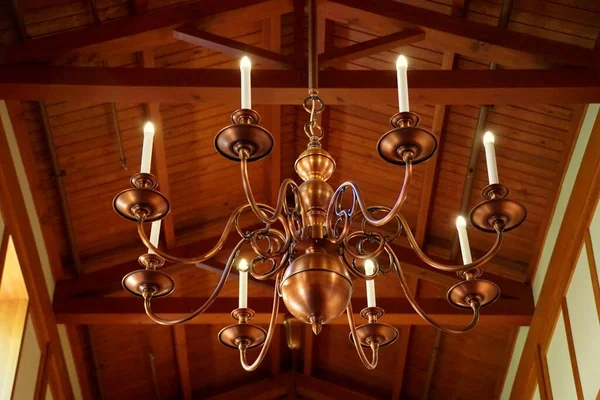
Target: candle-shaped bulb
401,62
461,227
154,235
401,67
490,158
370,270
147,147
243,267
245,68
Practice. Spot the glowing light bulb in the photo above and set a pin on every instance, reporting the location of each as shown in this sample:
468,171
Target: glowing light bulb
401,68
490,158
245,68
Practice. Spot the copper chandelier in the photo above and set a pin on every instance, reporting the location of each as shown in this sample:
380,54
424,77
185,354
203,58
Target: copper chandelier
315,240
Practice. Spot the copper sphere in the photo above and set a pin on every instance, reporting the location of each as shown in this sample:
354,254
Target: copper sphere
314,163
316,288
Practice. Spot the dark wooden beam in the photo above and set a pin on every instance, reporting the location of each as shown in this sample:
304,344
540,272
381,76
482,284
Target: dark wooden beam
283,87
265,389
14,208
548,50
299,57
370,47
318,389
183,363
130,310
47,47
221,44
83,356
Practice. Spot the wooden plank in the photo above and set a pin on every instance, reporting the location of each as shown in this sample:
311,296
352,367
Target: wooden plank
47,47
459,8
431,170
318,389
129,310
159,155
593,271
14,212
299,56
266,389
548,50
579,212
571,343
197,37
162,85
370,47
183,363
543,377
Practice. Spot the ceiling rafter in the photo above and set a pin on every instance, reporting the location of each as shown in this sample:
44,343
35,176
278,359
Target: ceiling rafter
370,47
159,154
83,356
128,310
283,86
47,47
225,45
18,21
183,363
457,28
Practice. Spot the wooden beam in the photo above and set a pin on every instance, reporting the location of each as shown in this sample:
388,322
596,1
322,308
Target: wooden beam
14,210
578,214
266,389
431,170
183,363
370,47
163,85
159,155
83,356
318,389
459,8
451,26
130,310
571,344
221,44
593,271
18,21
47,47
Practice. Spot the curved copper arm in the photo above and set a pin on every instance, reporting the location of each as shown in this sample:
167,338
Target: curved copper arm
243,346
374,346
204,307
229,226
264,218
361,203
413,302
453,268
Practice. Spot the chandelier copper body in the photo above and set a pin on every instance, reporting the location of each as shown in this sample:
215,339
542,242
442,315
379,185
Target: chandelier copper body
316,239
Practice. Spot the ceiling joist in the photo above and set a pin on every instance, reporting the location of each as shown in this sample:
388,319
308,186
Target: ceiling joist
130,85
130,310
197,37
378,45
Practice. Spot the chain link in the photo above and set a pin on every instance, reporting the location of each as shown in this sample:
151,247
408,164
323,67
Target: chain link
314,106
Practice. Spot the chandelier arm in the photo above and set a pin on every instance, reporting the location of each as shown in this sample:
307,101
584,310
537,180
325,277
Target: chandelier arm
276,213
361,354
368,216
148,294
454,268
231,223
243,346
268,275
475,305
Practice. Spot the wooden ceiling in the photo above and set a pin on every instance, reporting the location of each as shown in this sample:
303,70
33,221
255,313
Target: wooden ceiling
79,97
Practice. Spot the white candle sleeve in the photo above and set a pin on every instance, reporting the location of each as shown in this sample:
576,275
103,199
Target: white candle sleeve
490,158
401,68
147,148
155,234
243,285
461,227
245,69
370,270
